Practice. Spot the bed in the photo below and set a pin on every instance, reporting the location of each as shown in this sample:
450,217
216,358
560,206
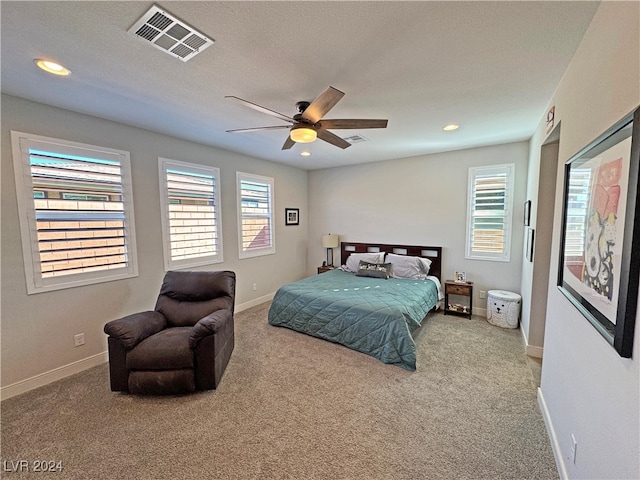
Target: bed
375,316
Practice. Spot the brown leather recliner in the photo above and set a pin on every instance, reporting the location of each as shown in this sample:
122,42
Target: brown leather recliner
183,345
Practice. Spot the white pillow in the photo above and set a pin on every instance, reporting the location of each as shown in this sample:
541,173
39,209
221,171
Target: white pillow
416,268
353,262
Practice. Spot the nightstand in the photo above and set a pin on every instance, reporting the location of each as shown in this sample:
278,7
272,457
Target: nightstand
325,268
460,290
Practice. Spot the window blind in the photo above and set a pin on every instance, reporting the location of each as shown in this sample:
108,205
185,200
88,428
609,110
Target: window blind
193,212
490,205
488,213
256,219
577,206
79,213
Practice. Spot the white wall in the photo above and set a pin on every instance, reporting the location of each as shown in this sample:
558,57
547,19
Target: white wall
38,330
416,201
587,389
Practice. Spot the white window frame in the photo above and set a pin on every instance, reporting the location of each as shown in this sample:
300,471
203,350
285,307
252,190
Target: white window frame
165,164
21,144
242,177
474,173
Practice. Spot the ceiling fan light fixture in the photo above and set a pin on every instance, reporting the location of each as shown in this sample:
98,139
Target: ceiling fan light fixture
309,123
302,134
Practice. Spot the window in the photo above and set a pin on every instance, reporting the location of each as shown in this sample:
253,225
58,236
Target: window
578,200
76,212
255,218
191,222
489,212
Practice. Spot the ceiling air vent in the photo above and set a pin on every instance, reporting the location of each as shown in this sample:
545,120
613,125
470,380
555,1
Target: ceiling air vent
356,138
169,34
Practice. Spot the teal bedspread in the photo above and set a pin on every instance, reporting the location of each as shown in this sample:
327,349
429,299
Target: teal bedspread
371,315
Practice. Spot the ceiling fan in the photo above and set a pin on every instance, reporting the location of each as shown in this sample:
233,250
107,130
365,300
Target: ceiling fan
308,124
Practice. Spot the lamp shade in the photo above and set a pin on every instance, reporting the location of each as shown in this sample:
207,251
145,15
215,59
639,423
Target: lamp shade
302,134
330,241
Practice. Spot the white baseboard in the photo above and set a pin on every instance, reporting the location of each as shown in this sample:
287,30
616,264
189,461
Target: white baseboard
76,367
529,349
52,375
524,336
534,351
255,302
555,445
479,311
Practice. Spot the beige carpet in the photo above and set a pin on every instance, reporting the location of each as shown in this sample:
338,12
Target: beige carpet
294,407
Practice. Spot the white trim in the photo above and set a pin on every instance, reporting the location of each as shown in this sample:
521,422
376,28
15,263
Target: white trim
51,376
20,144
553,439
479,311
169,264
534,351
529,349
256,301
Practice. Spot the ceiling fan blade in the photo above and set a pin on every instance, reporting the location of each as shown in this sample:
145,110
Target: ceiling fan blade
332,138
288,143
256,129
353,123
260,109
321,105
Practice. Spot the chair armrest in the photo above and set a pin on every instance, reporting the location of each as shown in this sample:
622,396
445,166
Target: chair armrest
132,329
209,325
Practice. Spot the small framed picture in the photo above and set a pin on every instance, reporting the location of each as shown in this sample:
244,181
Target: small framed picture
530,239
460,277
527,213
292,216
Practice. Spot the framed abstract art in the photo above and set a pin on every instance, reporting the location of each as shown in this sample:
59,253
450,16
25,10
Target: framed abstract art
599,253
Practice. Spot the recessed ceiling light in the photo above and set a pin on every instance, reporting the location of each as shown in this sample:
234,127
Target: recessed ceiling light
51,67
305,154
450,127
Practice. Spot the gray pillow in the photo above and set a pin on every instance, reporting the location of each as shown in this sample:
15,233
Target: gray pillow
376,270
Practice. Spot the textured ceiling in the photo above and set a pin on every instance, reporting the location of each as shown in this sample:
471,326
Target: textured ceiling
489,66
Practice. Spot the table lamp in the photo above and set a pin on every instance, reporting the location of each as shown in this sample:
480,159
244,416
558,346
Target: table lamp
330,241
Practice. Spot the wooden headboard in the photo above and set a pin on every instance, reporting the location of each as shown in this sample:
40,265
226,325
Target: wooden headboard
432,253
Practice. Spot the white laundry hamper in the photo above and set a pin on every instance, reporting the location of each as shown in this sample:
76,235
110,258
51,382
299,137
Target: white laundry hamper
503,308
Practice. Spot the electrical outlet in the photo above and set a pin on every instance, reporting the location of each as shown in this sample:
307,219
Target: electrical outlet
254,287
483,294
78,339
574,449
